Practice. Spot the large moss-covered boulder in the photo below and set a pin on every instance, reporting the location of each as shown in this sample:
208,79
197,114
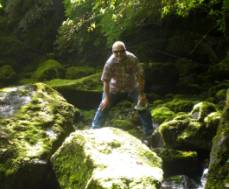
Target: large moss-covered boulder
218,176
193,130
106,158
34,120
49,69
84,92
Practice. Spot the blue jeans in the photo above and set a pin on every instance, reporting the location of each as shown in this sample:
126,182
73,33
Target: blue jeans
145,116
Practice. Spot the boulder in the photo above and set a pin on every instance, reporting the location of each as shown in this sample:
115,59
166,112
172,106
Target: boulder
194,130
218,175
106,158
176,162
76,72
34,120
49,69
84,93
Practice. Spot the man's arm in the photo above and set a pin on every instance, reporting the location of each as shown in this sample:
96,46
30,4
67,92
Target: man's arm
106,101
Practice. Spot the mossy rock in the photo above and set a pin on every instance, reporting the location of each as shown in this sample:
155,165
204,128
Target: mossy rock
7,73
76,72
34,120
123,116
106,158
193,130
180,104
177,162
218,175
49,69
162,114
202,109
83,93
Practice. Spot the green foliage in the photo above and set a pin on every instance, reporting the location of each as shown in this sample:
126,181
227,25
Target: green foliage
98,19
26,12
216,8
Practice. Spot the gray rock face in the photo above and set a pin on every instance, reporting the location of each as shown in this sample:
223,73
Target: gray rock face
34,120
106,158
13,98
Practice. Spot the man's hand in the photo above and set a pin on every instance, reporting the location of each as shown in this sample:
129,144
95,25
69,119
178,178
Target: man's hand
104,104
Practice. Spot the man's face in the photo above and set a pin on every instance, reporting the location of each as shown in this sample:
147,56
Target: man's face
119,52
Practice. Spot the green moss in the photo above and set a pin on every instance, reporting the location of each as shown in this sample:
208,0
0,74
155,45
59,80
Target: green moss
212,120
202,109
49,69
122,124
168,154
75,72
37,127
66,162
91,83
180,104
162,114
218,176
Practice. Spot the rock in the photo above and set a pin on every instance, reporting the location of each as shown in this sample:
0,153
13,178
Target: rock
104,159
218,175
84,93
48,70
177,162
194,130
34,120
162,114
76,72
202,109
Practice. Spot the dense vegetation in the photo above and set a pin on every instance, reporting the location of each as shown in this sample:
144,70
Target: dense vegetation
183,45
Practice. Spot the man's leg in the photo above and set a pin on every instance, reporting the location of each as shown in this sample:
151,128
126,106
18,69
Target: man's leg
145,116
100,116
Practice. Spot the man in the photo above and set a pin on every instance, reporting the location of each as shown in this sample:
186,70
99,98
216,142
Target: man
123,77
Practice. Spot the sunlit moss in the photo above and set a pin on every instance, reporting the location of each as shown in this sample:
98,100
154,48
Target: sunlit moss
161,114
168,154
92,83
108,158
28,128
193,130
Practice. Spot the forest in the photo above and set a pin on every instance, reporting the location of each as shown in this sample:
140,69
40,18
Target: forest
52,54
